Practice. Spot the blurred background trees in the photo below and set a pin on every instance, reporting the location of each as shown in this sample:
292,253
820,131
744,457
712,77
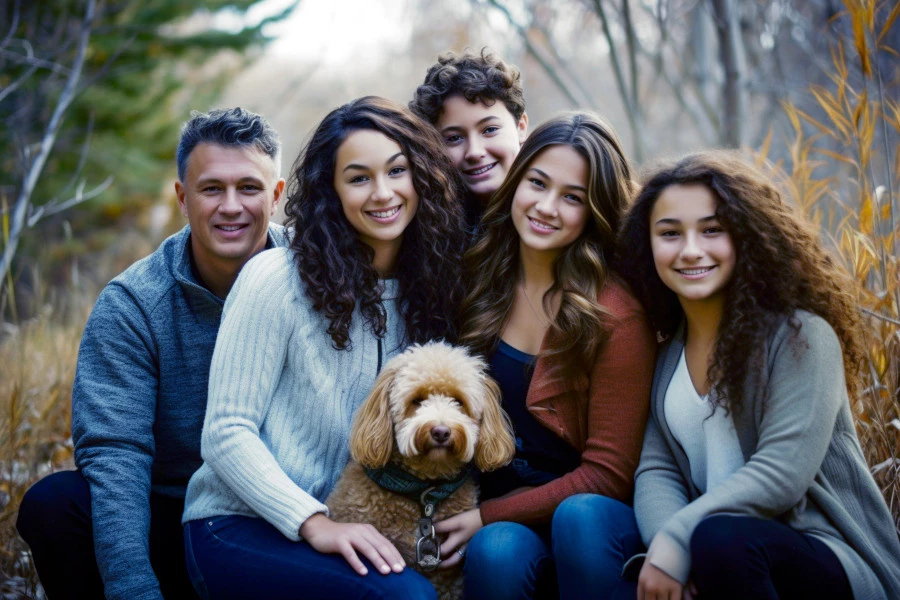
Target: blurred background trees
91,96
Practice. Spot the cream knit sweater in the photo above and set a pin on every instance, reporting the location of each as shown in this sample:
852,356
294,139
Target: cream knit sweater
281,399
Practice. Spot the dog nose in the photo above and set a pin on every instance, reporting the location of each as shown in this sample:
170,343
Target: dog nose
440,434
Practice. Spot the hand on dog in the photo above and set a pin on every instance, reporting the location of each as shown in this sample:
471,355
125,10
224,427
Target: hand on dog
347,539
459,529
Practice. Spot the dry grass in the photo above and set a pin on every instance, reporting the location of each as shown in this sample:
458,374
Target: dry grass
846,176
38,365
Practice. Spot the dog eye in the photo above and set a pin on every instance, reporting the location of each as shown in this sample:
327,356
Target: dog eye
417,401
456,401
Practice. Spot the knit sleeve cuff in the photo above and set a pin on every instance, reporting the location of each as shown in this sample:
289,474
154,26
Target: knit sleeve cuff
666,555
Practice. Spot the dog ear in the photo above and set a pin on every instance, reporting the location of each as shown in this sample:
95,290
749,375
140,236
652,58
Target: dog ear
372,434
495,446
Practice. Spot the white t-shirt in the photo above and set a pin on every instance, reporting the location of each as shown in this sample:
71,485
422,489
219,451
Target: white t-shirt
708,438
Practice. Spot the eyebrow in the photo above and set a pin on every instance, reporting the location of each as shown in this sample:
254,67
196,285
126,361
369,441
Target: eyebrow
360,167
671,221
545,176
480,122
216,179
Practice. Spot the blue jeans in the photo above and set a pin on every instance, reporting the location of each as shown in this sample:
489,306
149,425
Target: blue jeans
589,540
245,557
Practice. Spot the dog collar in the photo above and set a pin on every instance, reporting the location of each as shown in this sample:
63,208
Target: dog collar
427,491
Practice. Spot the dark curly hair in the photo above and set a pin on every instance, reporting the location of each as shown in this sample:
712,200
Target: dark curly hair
580,270
781,267
336,266
476,77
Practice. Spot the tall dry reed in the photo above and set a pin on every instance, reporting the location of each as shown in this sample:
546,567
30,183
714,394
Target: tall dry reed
845,173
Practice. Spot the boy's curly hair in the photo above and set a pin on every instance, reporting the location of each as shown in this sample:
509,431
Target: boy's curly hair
476,77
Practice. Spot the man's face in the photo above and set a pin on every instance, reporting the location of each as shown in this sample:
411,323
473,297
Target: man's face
228,195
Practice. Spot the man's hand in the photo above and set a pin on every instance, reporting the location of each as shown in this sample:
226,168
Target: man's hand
347,539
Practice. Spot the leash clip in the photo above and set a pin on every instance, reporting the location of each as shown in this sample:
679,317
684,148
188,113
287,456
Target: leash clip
428,550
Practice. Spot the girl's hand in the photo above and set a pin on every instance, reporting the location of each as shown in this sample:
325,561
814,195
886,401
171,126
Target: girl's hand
347,539
655,584
459,529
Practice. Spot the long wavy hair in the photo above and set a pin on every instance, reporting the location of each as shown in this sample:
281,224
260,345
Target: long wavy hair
580,270
781,266
336,266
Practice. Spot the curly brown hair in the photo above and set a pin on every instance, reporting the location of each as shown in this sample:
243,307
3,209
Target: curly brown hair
781,267
580,270
476,77
336,266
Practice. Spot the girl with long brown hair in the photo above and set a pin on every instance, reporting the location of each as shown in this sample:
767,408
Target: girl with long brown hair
752,483
572,351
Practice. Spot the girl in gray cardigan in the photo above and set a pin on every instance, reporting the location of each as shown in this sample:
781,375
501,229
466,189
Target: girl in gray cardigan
752,482
374,264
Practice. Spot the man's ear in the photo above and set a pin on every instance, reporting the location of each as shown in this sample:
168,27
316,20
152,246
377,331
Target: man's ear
522,127
279,190
180,194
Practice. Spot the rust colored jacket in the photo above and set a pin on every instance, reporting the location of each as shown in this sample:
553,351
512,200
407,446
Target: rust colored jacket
602,414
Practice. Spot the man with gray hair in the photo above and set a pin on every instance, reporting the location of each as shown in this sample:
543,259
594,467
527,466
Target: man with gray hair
113,526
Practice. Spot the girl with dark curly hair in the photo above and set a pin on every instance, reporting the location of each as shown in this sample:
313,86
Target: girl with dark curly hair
752,483
572,351
374,265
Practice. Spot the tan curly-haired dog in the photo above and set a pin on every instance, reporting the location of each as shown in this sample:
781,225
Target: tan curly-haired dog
433,411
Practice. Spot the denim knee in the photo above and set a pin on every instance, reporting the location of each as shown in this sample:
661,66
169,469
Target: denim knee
506,560
592,536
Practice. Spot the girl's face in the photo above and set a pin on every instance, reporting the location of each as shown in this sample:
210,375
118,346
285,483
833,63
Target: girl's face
482,141
373,179
693,253
549,209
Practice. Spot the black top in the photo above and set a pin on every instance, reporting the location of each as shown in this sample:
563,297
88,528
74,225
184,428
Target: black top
541,455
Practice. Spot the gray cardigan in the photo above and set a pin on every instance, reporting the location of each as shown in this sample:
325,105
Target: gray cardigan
804,465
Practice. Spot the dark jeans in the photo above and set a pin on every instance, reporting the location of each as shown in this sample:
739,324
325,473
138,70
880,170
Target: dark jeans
245,557
55,520
743,557
738,558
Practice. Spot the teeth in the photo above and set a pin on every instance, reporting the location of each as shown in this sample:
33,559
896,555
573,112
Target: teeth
541,224
229,227
695,271
481,170
384,214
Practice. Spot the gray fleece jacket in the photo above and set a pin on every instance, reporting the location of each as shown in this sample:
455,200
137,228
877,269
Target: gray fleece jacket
804,465
139,400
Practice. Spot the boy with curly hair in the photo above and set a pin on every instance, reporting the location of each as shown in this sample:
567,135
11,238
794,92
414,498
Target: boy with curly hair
477,104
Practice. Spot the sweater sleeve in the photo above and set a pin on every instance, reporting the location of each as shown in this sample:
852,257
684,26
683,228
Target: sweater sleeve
804,393
617,408
247,364
113,412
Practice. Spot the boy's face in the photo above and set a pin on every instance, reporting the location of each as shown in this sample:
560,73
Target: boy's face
482,141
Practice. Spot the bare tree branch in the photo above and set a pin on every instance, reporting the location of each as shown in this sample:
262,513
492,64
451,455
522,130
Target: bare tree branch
53,207
731,51
537,54
23,201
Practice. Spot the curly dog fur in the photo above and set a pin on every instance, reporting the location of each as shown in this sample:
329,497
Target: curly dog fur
433,411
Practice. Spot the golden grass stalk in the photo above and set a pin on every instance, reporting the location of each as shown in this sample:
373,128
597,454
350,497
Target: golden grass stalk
845,177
